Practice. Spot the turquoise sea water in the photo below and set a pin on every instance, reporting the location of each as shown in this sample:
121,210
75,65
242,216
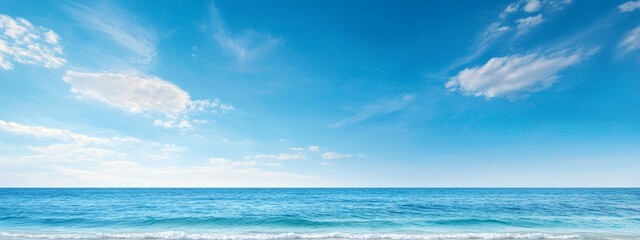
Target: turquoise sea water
319,213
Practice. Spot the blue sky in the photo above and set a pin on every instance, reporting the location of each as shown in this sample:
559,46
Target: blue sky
320,93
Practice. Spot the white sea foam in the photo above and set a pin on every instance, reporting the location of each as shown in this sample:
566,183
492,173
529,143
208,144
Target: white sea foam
265,236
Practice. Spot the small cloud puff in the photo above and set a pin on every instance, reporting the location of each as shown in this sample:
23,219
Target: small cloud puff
22,42
532,6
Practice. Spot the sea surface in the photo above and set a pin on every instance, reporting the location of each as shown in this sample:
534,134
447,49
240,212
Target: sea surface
377,213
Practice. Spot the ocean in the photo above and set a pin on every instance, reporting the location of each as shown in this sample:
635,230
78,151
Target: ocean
317,213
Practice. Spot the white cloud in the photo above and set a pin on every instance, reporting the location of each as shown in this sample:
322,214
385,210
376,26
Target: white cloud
279,156
376,109
121,26
524,24
223,162
139,93
326,164
72,152
22,42
200,121
557,4
500,28
134,93
167,151
510,75
72,160
493,32
4,64
629,6
216,172
333,155
68,146
631,41
62,134
173,122
532,6
116,166
297,149
214,106
51,37
314,148
273,164
244,46
485,40
511,8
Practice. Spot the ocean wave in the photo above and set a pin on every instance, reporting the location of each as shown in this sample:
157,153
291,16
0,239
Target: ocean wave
470,221
271,236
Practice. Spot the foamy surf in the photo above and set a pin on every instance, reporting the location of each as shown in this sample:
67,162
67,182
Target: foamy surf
270,236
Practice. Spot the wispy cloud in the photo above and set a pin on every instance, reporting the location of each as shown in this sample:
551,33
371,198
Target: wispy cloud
334,155
493,32
629,6
243,45
556,5
51,133
631,40
514,74
22,42
223,162
279,156
59,134
326,164
139,93
376,109
524,24
120,26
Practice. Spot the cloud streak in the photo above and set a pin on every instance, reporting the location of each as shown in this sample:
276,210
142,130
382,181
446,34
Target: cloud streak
631,40
376,109
333,155
56,133
279,156
120,26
